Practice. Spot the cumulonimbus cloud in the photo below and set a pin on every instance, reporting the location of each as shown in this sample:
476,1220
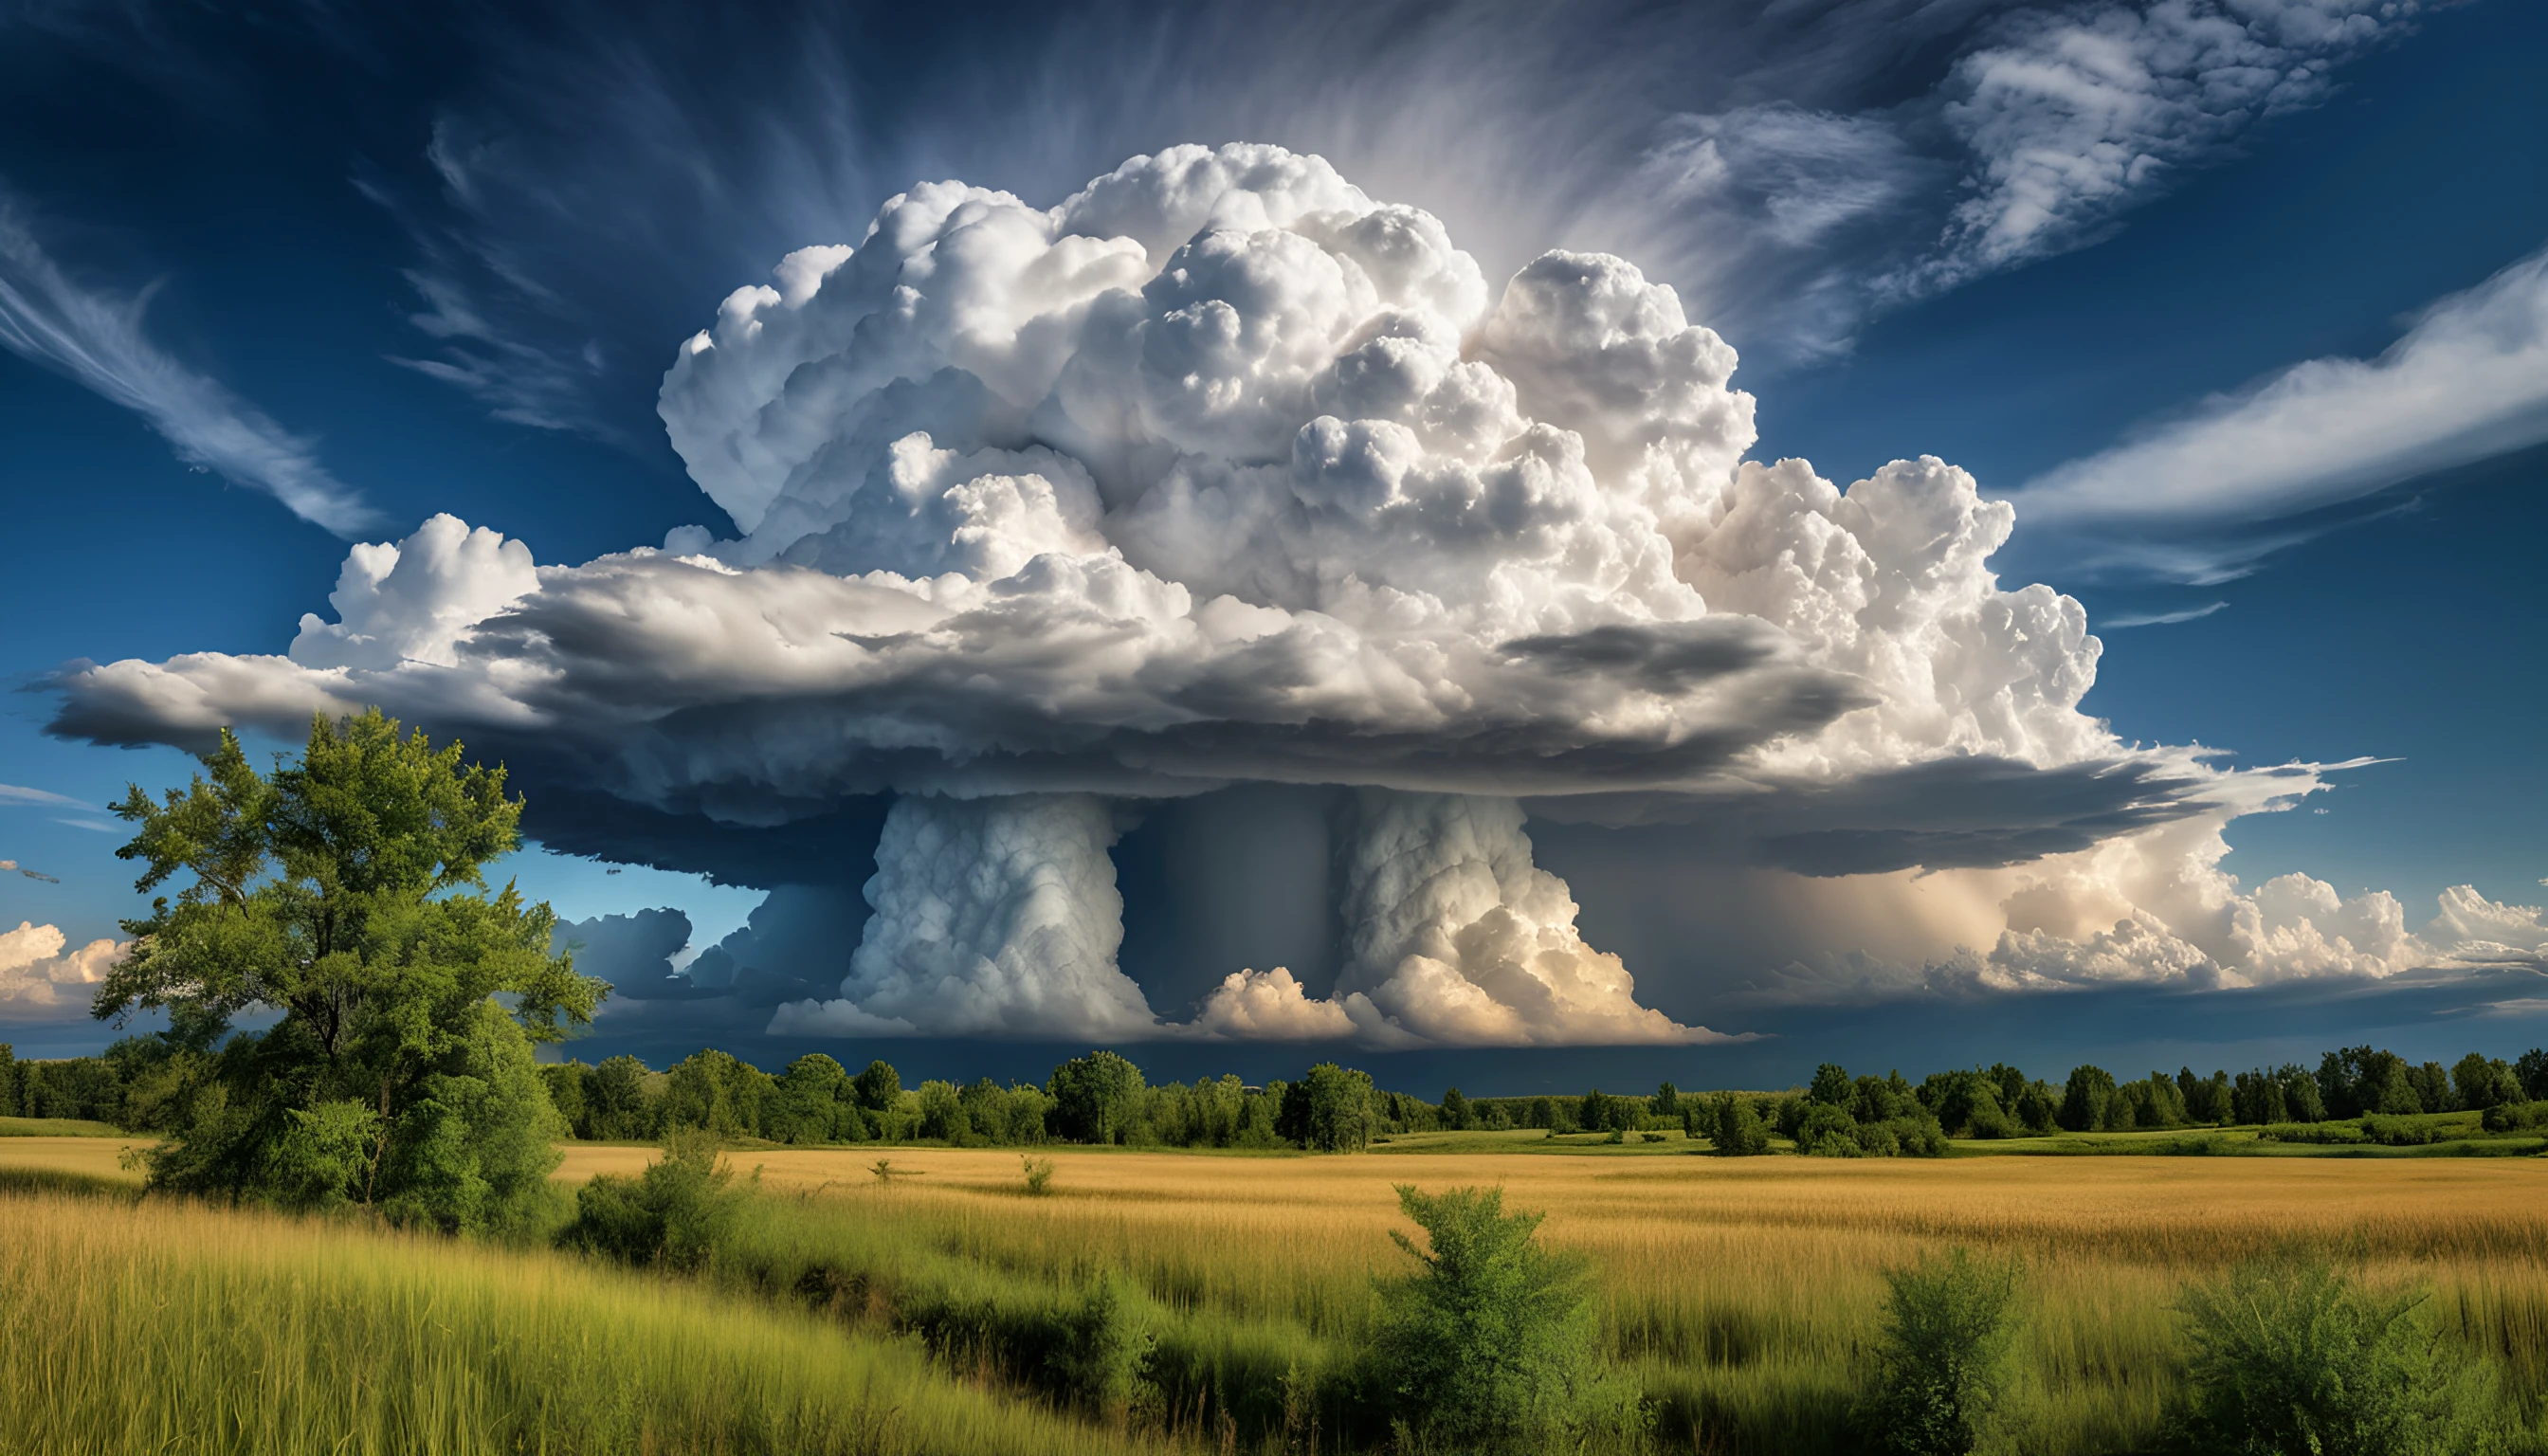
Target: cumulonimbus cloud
1222,471
98,340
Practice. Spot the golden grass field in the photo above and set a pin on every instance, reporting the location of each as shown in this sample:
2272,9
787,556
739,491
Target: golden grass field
175,1327
1743,1290
1747,1287
80,1156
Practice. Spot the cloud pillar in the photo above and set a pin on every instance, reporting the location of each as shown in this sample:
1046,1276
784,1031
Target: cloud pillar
997,916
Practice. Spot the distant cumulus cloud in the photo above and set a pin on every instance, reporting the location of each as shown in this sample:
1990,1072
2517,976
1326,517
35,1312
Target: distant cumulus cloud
41,970
97,339
1222,471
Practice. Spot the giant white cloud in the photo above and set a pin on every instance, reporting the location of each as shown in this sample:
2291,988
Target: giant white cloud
1221,469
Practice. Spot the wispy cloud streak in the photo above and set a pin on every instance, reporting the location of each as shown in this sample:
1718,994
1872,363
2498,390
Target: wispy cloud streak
2467,381
11,793
97,339
2160,619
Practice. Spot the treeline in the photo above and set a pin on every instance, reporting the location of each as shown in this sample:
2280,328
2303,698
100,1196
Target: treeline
127,1085
1100,1098
2350,1082
1844,1116
145,1084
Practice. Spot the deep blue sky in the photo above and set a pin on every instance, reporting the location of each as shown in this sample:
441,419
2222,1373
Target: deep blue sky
266,176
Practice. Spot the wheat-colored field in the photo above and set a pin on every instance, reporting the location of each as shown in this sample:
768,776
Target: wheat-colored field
81,1156
1745,1289
171,1326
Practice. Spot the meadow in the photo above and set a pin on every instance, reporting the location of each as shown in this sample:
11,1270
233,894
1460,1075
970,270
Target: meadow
171,1326
1741,1292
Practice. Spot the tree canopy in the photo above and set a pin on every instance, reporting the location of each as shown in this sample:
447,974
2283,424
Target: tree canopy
347,894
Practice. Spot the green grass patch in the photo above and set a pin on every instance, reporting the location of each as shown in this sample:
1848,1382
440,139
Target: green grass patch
58,1128
167,1326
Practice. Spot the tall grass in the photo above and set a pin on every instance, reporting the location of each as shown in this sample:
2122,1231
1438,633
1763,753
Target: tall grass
163,1326
1743,1292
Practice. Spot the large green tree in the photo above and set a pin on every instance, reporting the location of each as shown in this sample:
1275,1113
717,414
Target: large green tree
347,894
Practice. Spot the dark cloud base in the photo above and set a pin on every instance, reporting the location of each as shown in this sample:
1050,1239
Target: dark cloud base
1959,813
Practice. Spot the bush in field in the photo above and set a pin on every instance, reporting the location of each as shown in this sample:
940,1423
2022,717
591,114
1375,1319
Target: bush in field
2290,1358
1909,1130
2401,1132
2514,1117
1100,1349
1948,1322
1493,1343
675,1214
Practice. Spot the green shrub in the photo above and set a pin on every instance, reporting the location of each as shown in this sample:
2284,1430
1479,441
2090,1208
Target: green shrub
1942,1352
1100,1349
675,1214
1492,1344
2514,1117
2319,1133
2402,1132
2290,1358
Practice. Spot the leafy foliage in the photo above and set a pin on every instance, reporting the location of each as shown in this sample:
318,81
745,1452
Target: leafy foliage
2291,1357
1095,1098
1491,1344
347,894
1734,1125
1331,1109
675,1214
1948,1324
1099,1347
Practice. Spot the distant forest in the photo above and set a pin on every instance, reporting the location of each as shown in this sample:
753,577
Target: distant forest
145,1083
